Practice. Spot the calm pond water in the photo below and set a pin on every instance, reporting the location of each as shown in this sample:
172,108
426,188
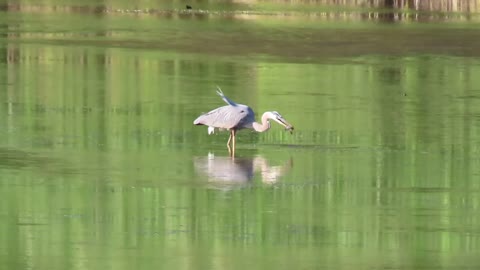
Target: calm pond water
101,167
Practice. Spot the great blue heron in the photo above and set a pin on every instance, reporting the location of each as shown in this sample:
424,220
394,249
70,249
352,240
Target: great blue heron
234,117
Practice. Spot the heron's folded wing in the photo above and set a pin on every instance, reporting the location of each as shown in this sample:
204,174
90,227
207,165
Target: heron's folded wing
223,117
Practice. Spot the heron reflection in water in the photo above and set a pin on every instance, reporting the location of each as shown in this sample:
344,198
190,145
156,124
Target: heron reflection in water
234,117
237,171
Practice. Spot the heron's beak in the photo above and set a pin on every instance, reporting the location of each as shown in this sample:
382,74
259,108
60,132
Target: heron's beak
284,123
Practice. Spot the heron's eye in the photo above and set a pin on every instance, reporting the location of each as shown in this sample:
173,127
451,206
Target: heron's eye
242,111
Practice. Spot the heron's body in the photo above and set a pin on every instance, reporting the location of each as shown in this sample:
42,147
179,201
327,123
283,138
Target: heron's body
235,116
228,117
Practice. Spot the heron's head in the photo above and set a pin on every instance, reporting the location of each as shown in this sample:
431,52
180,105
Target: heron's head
279,119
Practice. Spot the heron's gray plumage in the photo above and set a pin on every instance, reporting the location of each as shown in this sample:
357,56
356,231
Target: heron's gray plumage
227,117
234,115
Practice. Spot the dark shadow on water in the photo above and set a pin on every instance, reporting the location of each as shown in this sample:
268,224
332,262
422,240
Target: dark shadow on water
225,172
315,146
41,163
17,159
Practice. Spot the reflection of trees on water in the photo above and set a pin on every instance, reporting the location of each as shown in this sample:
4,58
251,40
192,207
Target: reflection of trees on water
145,7
399,6
423,5
430,5
376,10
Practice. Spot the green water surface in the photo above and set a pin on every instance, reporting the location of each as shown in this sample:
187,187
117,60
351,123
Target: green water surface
102,168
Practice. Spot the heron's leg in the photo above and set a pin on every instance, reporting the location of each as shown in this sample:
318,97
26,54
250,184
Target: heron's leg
232,152
233,139
229,138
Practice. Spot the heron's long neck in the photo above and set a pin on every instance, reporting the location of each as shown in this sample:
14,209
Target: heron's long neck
264,126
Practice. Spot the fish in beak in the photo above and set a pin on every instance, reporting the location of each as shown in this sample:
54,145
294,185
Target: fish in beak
279,119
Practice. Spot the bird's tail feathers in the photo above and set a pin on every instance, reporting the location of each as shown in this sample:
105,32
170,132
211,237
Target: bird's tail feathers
220,92
227,100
